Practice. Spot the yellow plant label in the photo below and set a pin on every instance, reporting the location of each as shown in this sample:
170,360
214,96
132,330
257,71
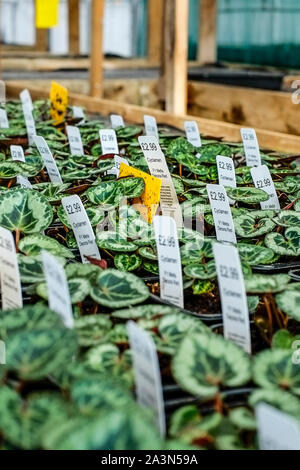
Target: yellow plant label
46,13
59,103
147,203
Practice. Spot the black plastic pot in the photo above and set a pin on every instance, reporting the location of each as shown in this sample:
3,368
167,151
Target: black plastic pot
276,268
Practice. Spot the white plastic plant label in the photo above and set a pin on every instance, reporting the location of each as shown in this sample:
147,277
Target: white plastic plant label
48,159
82,228
78,112
26,100
159,169
233,295
24,182
75,141
2,92
109,141
58,290
224,226
4,124
118,160
263,180
147,374
251,147
192,133
151,126
116,121
276,430
9,271
17,153
30,124
169,260
226,173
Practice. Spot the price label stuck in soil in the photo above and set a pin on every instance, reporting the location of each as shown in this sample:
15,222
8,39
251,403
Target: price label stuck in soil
263,180
233,295
75,141
17,153
58,289
109,141
159,169
147,373
251,147
81,227
48,159
116,121
192,133
11,291
151,126
169,260
226,173
277,430
26,100
223,221
4,124
29,122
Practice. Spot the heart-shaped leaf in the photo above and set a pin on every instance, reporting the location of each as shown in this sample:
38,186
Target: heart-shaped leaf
148,252
79,289
53,192
35,354
277,398
255,254
247,226
288,245
289,302
127,263
113,241
132,187
25,210
34,244
116,290
203,363
274,369
107,194
107,359
92,329
145,311
263,284
288,219
247,195
201,271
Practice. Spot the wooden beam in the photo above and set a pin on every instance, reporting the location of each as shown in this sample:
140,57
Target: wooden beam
96,71
176,55
131,113
250,107
74,26
207,43
155,30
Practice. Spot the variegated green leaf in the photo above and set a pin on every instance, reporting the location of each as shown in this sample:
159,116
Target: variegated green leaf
34,244
113,241
288,219
127,263
201,271
255,254
247,195
92,329
116,290
289,302
79,289
145,311
34,354
274,369
287,245
247,226
277,398
204,363
263,284
25,210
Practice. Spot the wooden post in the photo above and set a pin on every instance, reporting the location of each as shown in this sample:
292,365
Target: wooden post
41,40
74,27
175,57
207,42
96,67
155,30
